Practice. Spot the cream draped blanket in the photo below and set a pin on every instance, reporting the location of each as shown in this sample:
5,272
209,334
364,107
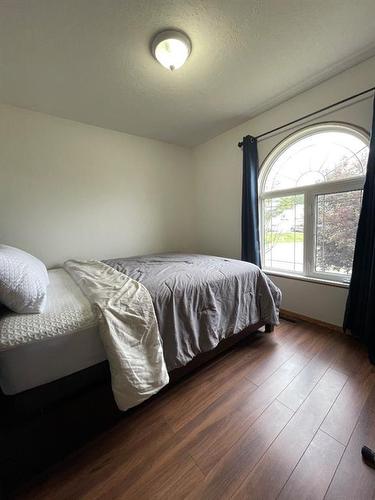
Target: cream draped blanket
128,329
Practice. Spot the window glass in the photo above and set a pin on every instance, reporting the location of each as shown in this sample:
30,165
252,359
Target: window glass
284,219
336,228
320,157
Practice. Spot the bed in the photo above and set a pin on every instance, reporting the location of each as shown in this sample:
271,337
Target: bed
53,365
199,301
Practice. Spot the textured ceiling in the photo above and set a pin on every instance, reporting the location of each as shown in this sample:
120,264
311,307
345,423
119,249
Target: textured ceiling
89,60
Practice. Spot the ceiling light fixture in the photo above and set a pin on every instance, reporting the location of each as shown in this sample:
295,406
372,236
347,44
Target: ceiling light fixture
171,48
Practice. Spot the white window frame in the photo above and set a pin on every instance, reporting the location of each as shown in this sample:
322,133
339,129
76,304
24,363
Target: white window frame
310,194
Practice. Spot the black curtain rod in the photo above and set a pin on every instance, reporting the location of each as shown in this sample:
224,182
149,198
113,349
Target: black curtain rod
312,114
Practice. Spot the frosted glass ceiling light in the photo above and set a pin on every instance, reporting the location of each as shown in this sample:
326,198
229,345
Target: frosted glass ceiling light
171,48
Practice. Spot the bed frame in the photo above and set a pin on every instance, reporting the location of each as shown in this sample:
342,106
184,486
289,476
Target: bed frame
40,426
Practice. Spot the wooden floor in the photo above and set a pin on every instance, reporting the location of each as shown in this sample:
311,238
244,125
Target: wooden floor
282,416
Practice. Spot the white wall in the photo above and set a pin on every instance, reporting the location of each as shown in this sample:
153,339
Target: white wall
218,178
73,190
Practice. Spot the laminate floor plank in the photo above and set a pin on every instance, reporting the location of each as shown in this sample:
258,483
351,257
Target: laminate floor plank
350,356
228,473
305,342
343,416
277,464
189,398
157,473
119,455
313,474
353,478
264,368
370,402
296,340
298,390
182,407
220,426
187,483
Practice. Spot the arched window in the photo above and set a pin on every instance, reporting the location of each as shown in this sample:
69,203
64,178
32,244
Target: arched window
310,197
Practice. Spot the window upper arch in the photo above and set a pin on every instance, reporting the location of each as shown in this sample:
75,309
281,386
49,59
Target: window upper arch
316,154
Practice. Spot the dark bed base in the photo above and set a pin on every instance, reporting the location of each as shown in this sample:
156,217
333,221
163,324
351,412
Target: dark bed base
40,426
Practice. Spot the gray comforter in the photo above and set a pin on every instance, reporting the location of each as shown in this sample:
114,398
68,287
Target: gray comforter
200,300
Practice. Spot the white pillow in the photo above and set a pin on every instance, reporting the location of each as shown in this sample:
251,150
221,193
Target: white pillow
23,281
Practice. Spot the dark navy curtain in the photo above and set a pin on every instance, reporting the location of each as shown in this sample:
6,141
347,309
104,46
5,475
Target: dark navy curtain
360,306
250,216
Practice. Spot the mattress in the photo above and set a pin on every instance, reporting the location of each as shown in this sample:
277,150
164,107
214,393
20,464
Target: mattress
38,348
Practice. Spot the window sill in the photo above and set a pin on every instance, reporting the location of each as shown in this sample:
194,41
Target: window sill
309,279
